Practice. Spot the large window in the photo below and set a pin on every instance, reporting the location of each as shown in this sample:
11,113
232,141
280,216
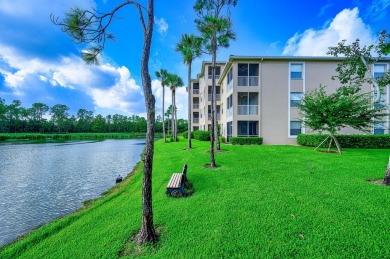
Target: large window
295,128
248,103
229,105
248,74
295,99
217,72
195,88
379,70
296,70
247,128
379,127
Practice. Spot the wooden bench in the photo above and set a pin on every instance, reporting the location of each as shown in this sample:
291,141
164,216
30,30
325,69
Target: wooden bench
175,187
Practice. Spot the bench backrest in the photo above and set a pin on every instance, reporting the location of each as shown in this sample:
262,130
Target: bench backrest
184,173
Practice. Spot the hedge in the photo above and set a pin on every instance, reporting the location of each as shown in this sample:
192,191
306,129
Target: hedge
202,135
185,134
246,140
347,141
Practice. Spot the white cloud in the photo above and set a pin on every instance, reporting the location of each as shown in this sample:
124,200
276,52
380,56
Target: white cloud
109,87
347,25
181,99
162,25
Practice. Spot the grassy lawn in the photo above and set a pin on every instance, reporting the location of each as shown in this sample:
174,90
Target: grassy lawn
262,202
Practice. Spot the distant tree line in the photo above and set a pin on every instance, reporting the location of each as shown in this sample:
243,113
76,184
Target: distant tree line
40,118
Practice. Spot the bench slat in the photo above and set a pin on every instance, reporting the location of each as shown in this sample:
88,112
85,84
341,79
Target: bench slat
175,181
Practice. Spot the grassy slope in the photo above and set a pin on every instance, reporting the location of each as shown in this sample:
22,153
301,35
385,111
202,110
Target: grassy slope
264,201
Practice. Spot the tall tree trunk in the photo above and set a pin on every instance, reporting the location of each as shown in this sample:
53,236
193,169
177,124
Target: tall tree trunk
163,113
175,119
173,114
386,179
189,107
214,93
213,117
147,232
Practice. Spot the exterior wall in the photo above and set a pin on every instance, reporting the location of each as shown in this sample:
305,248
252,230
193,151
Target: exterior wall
273,90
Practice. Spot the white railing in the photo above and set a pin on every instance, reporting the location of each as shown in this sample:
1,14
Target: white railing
211,76
248,81
196,106
218,97
196,91
248,109
195,120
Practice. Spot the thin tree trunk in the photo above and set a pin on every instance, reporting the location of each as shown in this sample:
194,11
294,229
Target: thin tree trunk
189,107
173,114
212,134
337,143
386,179
214,103
163,113
147,232
330,144
175,117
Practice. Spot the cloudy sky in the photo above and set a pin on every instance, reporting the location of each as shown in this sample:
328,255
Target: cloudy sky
39,63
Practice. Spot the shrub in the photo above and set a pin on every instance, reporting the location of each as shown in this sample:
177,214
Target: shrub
185,134
246,140
202,135
347,141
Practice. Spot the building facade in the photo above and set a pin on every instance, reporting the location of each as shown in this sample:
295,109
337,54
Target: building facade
258,96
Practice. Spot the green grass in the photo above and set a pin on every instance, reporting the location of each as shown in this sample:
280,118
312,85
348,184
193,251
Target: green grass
262,202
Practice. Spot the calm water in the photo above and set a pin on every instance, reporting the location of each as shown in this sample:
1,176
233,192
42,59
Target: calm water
40,182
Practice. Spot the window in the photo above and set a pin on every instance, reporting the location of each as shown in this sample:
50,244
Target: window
379,127
247,128
229,102
217,72
379,70
248,74
296,70
196,88
295,99
230,76
247,103
295,128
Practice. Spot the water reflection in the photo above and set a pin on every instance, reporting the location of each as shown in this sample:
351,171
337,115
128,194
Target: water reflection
40,182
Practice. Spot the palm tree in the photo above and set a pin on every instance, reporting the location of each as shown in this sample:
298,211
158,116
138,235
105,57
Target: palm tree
216,32
190,48
174,81
162,75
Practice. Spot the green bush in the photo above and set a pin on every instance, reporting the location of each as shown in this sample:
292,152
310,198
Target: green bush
185,134
347,141
202,135
246,140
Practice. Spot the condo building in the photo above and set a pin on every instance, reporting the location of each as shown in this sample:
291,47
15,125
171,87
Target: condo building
258,96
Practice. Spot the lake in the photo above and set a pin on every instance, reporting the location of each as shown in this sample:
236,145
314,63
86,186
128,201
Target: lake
41,182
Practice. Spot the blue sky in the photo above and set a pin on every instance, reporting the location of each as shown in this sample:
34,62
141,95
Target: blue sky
39,63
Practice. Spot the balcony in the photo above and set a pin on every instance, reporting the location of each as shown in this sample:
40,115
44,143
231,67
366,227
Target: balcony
195,91
218,117
211,77
229,112
248,109
195,106
230,86
248,81
195,120
218,97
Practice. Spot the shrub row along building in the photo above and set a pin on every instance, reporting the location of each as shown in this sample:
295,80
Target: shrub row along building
258,96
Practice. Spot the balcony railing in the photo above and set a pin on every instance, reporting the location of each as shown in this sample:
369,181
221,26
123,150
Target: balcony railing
218,97
248,109
195,120
248,81
196,91
195,106
211,76
218,117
